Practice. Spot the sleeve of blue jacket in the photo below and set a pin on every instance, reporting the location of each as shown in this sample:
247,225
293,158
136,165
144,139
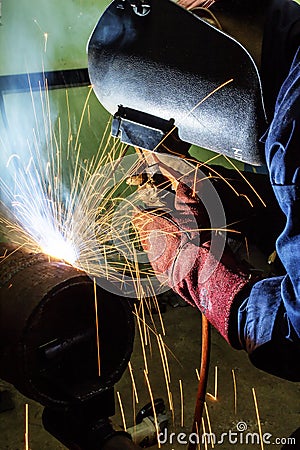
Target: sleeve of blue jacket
269,319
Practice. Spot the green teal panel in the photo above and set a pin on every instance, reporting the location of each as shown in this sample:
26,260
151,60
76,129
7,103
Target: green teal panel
66,119
46,33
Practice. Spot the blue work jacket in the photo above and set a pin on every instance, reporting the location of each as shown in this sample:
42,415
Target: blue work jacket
269,319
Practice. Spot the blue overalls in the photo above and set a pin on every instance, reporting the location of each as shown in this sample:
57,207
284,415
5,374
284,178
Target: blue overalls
269,319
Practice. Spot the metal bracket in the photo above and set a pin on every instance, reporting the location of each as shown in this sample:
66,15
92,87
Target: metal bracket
148,132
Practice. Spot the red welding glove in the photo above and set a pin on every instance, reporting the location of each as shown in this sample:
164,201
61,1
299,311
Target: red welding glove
179,247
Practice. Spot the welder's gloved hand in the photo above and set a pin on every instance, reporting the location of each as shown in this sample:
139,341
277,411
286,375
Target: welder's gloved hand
180,251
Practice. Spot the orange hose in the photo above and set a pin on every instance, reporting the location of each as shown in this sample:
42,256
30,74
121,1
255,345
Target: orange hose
205,357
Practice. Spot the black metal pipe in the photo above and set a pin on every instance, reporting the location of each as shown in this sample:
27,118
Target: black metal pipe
48,345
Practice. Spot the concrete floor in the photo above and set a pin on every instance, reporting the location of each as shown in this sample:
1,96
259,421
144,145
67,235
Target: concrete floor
278,400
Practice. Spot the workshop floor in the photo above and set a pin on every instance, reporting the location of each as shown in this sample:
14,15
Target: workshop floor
278,400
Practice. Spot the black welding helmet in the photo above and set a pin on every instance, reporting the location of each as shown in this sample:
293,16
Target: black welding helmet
164,61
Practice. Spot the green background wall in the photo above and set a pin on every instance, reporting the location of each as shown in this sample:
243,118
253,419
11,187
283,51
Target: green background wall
68,24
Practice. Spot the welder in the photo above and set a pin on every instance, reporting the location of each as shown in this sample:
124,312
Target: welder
261,316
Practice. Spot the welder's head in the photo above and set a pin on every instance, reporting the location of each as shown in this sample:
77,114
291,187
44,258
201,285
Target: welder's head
166,62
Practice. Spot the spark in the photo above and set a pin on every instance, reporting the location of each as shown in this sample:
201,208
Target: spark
59,248
182,404
247,248
198,434
71,215
258,419
28,167
215,395
208,423
144,322
11,158
272,257
153,407
45,41
162,357
133,382
38,25
149,341
156,334
26,434
234,391
165,357
154,298
195,181
141,338
204,434
4,254
82,117
89,115
134,414
163,348
245,179
160,317
216,382
193,109
122,411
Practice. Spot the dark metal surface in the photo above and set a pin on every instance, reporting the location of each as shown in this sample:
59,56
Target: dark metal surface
54,79
167,63
84,427
48,341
